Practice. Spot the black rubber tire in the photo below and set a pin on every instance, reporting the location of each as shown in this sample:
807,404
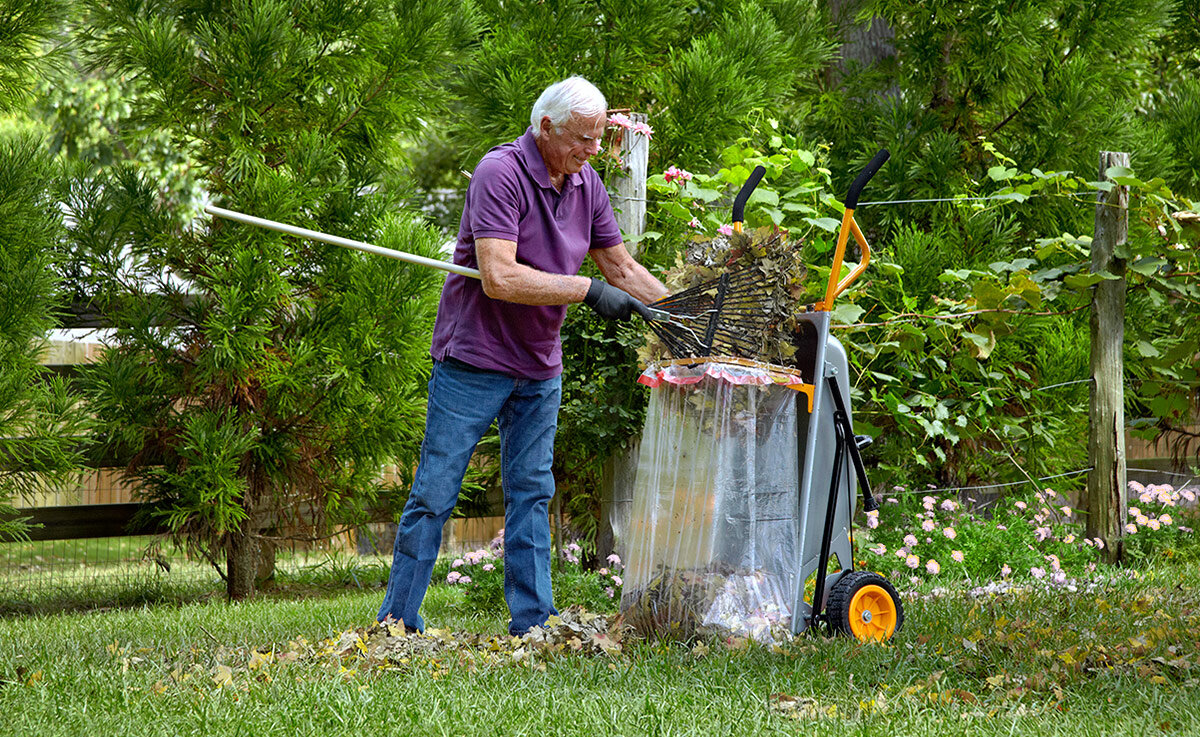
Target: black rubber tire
843,592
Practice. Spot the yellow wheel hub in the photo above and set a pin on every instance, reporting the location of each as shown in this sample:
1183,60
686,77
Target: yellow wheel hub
873,614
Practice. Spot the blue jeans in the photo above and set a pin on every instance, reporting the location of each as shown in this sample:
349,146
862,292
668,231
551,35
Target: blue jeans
463,401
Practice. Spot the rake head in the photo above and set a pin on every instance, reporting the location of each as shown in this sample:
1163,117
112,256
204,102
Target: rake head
726,316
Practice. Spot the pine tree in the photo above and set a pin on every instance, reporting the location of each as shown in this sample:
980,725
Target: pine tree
1049,83
39,419
257,381
698,70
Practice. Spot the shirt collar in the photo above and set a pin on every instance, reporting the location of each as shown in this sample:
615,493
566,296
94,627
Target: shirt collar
537,165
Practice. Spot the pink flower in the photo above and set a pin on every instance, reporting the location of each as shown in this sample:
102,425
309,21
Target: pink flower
617,580
912,561
873,519
609,591
879,549
910,540
1134,511
725,230
614,559
1069,539
465,580
949,533
1019,505
902,552
1059,577
1037,572
644,130
933,567
1165,519
1005,571
1131,528
1041,533
453,577
928,525
957,556
1136,488
693,223
489,567
457,563
949,505
1001,527
1066,510
891,500
603,571
1100,543
620,120
672,173
928,502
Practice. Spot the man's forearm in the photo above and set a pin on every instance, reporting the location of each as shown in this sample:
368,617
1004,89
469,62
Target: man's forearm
640,283
528,286
506,279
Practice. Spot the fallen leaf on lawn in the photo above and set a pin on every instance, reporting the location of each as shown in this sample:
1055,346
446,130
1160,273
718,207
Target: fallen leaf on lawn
222,675
795,707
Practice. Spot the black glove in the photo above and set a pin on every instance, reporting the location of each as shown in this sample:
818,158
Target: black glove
613,303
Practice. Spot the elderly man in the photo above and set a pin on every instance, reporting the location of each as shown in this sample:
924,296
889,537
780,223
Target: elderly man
534,209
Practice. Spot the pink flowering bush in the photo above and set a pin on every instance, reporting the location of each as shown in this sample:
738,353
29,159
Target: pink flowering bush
932,535
1040,536
1162,521
480,575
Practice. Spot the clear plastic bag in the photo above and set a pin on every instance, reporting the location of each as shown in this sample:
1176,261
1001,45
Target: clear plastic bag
711,544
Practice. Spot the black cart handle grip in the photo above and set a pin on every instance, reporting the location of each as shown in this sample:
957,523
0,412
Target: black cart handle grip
865,176
739,202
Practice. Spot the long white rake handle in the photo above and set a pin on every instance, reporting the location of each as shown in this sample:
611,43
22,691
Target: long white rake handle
315,235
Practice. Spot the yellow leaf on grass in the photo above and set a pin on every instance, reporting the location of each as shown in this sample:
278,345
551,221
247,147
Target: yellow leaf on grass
222,675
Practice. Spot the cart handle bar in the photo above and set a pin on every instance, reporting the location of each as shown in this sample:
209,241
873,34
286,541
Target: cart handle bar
864,176
849,226
314,235
739,202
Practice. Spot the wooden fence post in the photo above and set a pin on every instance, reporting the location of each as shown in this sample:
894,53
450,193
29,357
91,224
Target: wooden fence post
620,469
630,202
1107,505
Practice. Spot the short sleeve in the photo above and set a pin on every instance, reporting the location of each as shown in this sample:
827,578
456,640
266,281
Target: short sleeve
493,200
605,231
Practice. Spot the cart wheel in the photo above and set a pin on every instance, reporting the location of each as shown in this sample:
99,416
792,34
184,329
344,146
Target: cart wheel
865,605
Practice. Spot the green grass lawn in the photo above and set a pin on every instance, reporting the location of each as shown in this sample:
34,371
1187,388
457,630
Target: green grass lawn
1121,659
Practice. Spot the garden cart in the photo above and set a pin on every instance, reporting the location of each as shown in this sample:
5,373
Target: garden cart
746,480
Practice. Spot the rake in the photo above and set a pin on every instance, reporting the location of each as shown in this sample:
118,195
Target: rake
723,316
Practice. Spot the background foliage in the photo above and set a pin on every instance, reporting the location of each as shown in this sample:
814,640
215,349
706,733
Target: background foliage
348,117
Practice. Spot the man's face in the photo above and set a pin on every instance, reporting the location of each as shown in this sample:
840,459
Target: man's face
566,151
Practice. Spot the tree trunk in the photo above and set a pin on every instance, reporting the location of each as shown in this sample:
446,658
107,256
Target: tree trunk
1106,490
863,45
241,562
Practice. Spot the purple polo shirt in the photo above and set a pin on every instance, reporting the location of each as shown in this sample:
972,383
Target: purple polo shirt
511,197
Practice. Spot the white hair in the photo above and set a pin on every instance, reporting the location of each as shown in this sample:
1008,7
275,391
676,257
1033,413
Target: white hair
561,99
